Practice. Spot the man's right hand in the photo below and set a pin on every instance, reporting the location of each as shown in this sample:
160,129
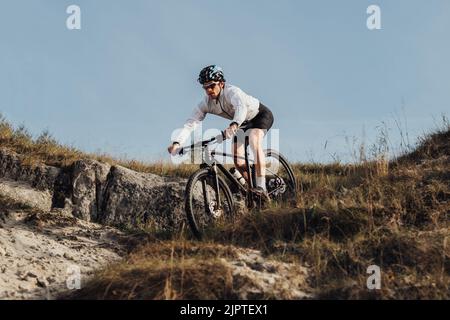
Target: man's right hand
173,148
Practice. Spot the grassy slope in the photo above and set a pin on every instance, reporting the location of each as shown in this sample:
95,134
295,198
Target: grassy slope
348,217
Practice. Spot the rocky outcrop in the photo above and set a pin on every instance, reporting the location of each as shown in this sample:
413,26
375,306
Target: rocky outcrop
39,176
98,192
134,198
87,185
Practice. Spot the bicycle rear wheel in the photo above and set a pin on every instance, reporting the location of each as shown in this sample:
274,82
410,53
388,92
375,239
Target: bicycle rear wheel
206,208
280,179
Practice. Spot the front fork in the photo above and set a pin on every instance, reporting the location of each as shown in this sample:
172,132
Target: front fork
216,185
206,196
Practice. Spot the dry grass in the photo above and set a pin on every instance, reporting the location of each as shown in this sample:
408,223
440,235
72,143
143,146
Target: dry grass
353,216
166,270
47,150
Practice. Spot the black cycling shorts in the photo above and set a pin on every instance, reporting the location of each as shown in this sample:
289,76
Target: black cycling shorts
263,120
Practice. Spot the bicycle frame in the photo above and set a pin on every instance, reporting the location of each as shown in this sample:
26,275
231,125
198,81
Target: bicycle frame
213,164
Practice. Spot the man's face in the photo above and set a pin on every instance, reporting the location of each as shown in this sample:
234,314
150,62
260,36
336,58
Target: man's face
213,88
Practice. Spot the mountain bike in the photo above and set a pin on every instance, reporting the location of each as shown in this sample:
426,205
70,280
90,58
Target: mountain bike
210,197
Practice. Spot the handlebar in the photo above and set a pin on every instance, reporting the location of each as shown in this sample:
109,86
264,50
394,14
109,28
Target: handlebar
204,143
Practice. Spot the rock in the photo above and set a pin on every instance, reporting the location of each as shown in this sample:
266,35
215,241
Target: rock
72,237
40,176
97,192
51,279
133,198
42,283
68,256
265,278
88,183
24,288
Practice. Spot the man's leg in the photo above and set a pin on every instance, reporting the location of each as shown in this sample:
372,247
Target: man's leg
239,151
255,140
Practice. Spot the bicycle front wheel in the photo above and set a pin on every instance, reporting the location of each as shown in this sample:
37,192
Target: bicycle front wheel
207,205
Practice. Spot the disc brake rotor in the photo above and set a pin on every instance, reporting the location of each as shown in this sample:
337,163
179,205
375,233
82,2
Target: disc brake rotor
216,213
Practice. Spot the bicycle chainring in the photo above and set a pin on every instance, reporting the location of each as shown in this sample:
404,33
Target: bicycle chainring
276,186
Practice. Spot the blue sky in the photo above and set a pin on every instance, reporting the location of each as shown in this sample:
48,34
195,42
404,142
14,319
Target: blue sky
127,79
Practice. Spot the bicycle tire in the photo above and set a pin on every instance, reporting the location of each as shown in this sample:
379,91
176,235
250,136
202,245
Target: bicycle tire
190,206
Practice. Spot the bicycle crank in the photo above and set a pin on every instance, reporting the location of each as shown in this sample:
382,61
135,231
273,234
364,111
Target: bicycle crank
276,186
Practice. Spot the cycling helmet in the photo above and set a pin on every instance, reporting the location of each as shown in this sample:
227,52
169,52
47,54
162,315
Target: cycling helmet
211,73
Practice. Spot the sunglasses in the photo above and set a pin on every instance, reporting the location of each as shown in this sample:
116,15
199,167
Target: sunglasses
210,86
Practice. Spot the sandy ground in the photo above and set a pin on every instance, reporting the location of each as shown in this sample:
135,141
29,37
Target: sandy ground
41,254
44,253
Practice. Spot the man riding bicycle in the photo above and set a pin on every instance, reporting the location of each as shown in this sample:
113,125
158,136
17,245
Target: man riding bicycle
246,113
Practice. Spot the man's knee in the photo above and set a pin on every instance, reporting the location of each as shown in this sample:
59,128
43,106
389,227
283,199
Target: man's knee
239,164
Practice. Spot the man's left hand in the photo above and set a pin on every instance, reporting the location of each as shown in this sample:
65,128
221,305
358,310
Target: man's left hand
231,131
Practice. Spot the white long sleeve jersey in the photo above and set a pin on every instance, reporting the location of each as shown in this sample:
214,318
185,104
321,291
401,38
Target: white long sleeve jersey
233,104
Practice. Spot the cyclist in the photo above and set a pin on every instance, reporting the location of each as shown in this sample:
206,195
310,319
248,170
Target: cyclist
244,111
